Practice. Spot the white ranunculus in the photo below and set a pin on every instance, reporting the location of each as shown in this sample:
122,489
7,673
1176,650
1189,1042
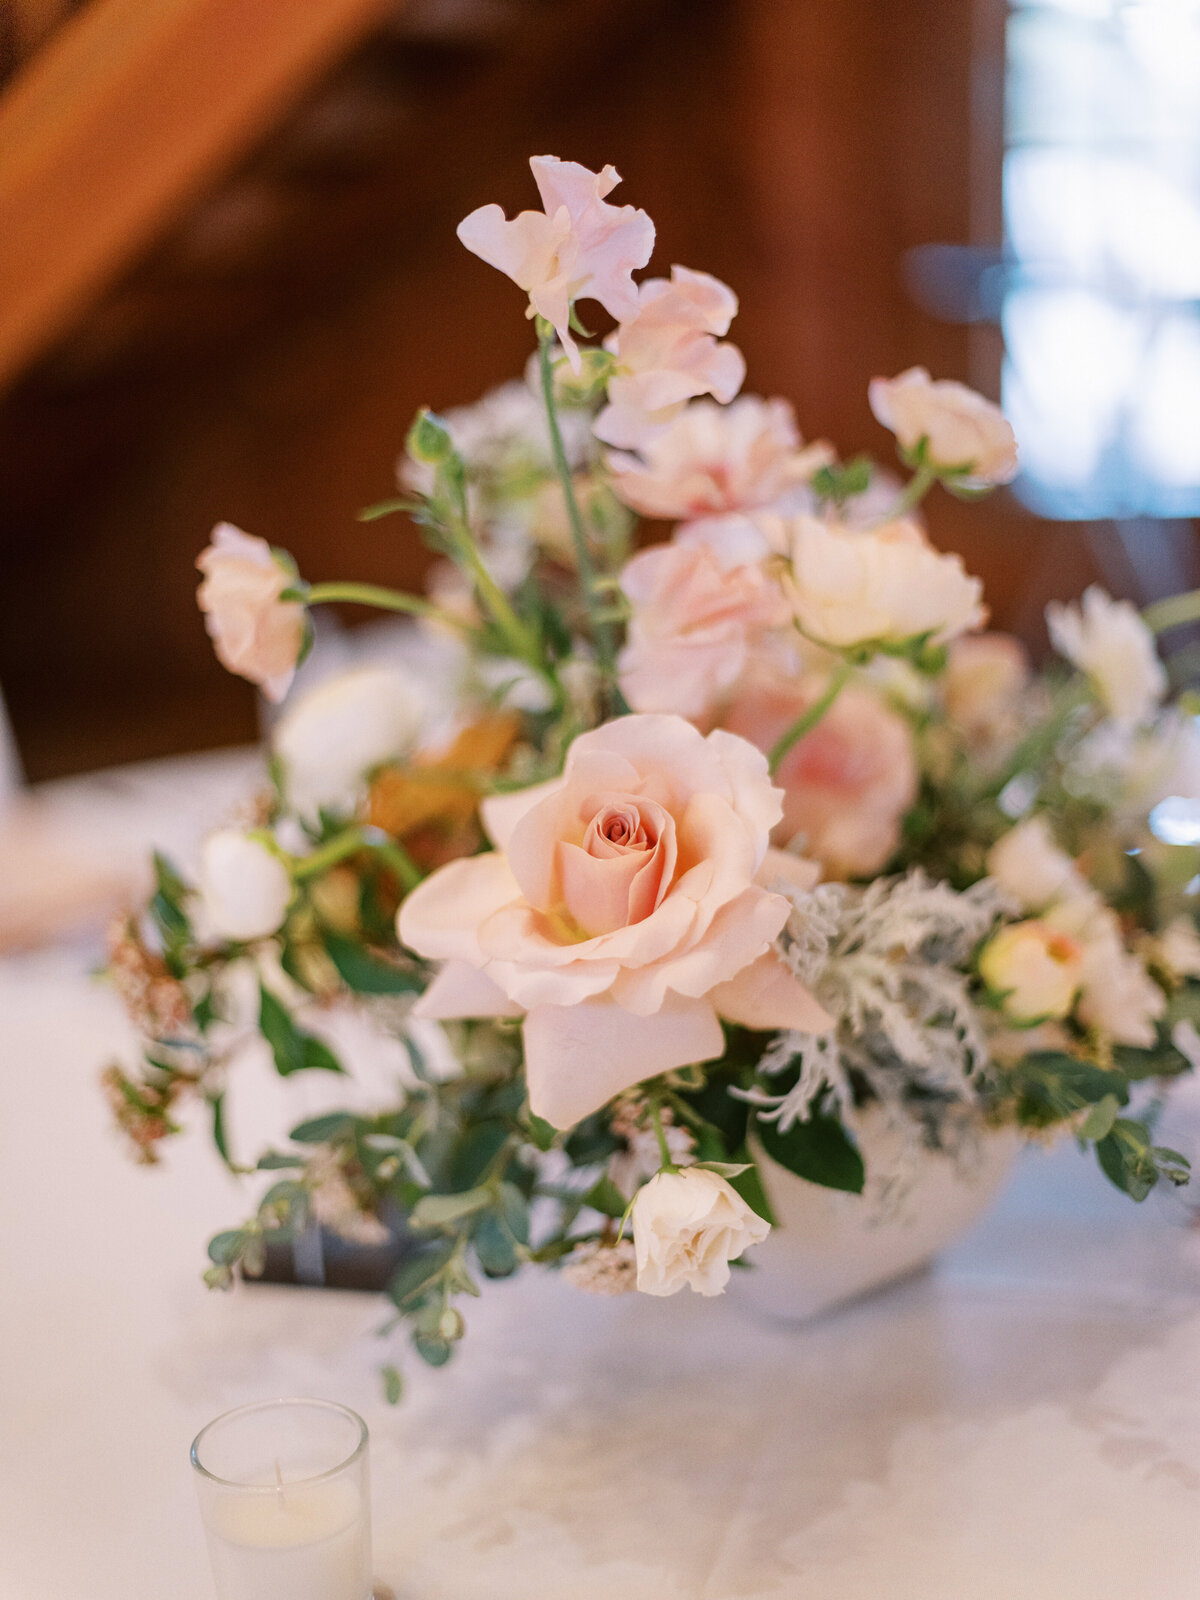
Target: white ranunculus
960,427
888,586
334,735
1030,868
1118,997
244,889
1107,640
1037,970
687,1227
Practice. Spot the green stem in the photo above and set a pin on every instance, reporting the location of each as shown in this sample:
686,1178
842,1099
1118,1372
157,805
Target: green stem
339,848
370,594
601,630
917,487
808,720
664,1149
1173,612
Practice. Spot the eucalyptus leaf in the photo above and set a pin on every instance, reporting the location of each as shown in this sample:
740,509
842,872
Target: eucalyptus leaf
439,1210
414,1275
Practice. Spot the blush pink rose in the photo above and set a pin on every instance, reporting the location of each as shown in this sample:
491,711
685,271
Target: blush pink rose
960,428
254,632
713,459
668,353
695,618
578,248
848,783
620,914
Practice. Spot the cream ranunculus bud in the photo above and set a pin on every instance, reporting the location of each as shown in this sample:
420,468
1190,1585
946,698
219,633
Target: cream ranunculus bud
1030,868
332,737
1107,639
961,429
1036,969
254,632
244,889
884,588
687,1227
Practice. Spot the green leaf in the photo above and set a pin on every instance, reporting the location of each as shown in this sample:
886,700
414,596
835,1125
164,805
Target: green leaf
1051,1086
217,1105
167,906
475,1153
724,1169
1099,1120
514,1212
494,1247
318,1057
225,1248
541,1133
1127,1160
323,1130
366,973
439,1210
605,1197
393,1385
436,1352
293,1050
820,1150
749,1185
275,1161
416,1274
429,438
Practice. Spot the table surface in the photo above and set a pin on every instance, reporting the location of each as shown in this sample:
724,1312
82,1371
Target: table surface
1022,1422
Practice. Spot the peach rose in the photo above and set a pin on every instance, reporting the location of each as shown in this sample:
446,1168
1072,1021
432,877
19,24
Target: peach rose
848,783
961,429
695,616
620,914
579,248
668,353
254,633
713,459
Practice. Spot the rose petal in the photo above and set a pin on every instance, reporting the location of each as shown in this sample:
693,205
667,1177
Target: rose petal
460,990
768,995
441,918
578,1057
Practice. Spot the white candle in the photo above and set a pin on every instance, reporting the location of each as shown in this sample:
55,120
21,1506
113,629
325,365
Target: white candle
303,1542
284,1492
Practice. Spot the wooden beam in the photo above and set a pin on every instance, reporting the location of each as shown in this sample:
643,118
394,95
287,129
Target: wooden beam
132,107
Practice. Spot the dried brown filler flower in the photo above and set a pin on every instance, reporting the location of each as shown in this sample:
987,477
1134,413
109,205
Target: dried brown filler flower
157,1003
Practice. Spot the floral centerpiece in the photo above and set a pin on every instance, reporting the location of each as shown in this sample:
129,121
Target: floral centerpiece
729,845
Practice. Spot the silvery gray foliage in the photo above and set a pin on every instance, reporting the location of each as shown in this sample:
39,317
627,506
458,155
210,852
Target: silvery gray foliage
888,961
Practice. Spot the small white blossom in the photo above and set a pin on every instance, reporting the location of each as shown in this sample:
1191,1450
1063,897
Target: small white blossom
1107,640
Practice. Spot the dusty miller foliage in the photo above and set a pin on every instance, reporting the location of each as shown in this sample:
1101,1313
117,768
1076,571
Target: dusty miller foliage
888,962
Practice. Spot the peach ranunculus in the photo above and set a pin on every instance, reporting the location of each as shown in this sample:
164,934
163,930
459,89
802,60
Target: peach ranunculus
667,353
696,615
715,459
620,914
963,433
848,783
987,676
1035,970
254,632
885,588
578,248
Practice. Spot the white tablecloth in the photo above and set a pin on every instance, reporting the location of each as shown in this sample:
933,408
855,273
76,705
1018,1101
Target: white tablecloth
1023,1423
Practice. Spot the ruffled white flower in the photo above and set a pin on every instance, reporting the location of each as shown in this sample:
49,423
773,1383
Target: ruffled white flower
244,889
1118,997
961,429
886,587
1107,640
687,1227
1028,867
332,737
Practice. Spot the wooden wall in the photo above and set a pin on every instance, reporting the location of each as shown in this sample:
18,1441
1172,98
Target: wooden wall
796,148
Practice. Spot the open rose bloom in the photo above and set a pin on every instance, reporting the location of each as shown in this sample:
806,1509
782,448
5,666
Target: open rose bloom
662,864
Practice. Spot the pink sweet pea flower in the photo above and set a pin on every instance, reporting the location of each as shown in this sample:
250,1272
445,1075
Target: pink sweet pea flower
621,914
696,615
668,353
714,459
578,248
254,632
962,431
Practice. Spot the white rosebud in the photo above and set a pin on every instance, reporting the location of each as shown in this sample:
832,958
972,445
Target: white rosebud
960,427
1029,867
687,1227
1037,970
1107,640
332,737
244,889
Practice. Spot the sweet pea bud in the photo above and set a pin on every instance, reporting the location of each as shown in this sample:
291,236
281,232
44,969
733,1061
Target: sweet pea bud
429,439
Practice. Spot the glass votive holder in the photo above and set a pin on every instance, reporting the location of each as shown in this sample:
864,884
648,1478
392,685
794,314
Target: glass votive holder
284,1491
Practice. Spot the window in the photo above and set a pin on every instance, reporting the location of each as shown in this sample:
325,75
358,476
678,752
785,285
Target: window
1101,309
